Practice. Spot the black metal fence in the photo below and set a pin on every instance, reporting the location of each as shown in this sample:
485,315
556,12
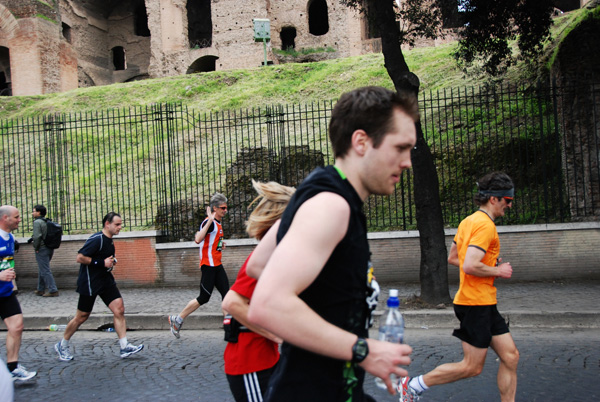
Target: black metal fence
159,165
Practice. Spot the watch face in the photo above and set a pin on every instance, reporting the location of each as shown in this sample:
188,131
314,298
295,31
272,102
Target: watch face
361,348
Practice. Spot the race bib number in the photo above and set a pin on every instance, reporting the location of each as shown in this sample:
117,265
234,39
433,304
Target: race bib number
7,262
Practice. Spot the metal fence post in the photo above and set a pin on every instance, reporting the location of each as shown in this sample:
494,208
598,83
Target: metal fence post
58,204
161,162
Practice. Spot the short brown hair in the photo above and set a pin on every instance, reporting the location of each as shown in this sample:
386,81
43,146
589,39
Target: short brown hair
370,109
272,200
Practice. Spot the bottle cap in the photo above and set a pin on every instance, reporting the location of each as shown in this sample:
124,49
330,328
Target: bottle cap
393,300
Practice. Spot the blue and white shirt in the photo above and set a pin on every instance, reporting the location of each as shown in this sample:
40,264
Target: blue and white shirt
7,261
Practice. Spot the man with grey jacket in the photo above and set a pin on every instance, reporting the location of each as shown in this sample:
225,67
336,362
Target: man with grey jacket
43,254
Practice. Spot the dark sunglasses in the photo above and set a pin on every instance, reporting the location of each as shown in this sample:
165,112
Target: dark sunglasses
223,208
508,200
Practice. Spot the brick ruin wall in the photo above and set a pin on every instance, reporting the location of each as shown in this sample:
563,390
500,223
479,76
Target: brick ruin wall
58,48
45,58
233,33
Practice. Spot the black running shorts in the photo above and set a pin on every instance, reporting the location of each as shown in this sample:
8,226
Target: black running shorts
9,306
478,324
86,303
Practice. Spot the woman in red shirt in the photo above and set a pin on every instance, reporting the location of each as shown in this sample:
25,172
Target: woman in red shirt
250,361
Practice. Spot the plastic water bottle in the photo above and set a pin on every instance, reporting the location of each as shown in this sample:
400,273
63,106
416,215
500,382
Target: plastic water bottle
57,327
391,327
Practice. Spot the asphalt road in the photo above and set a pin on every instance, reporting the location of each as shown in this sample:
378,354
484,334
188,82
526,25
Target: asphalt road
561,365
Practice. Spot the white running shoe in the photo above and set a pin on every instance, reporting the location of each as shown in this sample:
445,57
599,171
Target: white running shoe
21,374
64,353
130,350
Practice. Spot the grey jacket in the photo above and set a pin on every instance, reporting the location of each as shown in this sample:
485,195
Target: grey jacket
39,233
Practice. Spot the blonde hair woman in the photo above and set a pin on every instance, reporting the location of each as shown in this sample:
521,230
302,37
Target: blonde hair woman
251,352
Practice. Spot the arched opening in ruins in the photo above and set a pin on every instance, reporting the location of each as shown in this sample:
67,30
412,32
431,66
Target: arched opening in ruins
66,32
138,78
5,84
118,58
199,23
140,20
203,64
318,20
85,80
288,38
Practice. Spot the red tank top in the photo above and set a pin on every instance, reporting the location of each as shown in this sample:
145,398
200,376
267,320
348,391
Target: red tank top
211,246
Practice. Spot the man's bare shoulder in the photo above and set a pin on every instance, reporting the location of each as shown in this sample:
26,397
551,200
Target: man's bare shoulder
323,215
332,205
328,200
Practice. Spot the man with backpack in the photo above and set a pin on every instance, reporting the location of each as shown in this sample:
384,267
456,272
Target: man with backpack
44,250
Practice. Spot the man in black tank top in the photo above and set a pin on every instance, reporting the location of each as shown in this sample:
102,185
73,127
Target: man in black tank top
316,292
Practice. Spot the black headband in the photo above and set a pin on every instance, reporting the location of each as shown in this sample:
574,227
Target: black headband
510,192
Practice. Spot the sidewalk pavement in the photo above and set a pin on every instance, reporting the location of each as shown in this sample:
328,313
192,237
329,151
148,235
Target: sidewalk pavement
547,304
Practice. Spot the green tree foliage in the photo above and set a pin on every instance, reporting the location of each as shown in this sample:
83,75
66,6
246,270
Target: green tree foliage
490,26
417,21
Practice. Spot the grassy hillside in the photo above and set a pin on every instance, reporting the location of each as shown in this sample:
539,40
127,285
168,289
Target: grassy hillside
287,83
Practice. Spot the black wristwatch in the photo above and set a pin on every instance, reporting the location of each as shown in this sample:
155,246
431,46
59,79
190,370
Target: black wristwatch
360,350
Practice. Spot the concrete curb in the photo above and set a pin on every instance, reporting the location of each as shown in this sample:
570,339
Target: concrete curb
517,319
134,322
413,318
543,319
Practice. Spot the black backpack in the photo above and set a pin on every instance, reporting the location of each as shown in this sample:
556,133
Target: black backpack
53,234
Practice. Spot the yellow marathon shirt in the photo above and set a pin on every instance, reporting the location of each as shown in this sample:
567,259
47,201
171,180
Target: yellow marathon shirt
477,230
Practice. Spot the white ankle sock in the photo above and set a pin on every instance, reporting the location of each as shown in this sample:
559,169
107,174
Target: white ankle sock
64,343
418,384
179,319
123,342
